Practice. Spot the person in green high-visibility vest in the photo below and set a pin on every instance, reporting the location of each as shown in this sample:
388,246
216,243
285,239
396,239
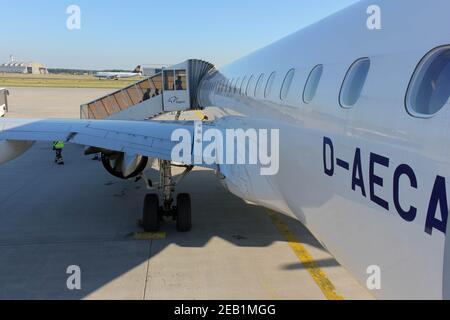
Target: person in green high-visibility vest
58,146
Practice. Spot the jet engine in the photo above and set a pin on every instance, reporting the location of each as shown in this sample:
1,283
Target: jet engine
124,166
11,149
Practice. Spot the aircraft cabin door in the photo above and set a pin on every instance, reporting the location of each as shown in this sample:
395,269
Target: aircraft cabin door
176,89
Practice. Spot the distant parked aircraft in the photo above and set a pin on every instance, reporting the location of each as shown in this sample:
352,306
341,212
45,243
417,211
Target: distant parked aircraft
137,72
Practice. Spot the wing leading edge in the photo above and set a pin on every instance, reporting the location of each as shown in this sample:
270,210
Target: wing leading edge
145,138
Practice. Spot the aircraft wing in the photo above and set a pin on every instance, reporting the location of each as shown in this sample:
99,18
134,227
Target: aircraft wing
145,138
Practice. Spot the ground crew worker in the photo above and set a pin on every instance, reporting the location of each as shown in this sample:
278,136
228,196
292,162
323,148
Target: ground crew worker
58,146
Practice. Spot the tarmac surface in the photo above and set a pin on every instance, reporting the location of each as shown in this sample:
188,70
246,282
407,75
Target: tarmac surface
53,217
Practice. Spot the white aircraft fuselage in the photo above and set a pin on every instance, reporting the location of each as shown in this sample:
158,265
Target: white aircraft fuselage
117,75
371,181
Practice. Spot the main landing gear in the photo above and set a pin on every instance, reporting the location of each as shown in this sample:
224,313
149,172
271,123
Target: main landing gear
154,211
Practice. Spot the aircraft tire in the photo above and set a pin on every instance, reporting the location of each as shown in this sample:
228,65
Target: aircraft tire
150,219
184,216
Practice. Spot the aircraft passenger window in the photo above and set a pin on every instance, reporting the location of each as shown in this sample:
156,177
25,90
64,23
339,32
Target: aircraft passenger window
429,90
249,85
287,84
312,83
169,80
259,85
269,84
354,83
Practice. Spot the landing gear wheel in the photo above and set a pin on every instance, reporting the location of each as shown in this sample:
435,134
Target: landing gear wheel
184,221
150,220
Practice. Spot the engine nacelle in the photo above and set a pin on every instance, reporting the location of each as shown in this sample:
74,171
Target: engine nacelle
11,149
124,166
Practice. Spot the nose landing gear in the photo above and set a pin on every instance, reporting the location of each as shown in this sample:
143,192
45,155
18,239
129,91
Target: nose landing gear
154,213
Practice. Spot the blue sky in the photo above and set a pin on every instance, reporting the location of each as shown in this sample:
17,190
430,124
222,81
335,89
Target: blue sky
125,33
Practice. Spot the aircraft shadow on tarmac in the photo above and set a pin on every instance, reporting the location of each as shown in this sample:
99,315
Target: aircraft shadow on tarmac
53,217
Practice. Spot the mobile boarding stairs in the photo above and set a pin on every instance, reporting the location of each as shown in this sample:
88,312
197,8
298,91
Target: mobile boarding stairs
174,89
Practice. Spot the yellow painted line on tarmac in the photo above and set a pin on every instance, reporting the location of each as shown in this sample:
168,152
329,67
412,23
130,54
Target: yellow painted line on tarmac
149,235
318,275
200,115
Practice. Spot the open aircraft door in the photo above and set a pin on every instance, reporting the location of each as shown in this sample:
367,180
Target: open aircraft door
176,95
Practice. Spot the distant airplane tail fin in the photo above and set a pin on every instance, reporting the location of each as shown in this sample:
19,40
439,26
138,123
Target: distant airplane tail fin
138,69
